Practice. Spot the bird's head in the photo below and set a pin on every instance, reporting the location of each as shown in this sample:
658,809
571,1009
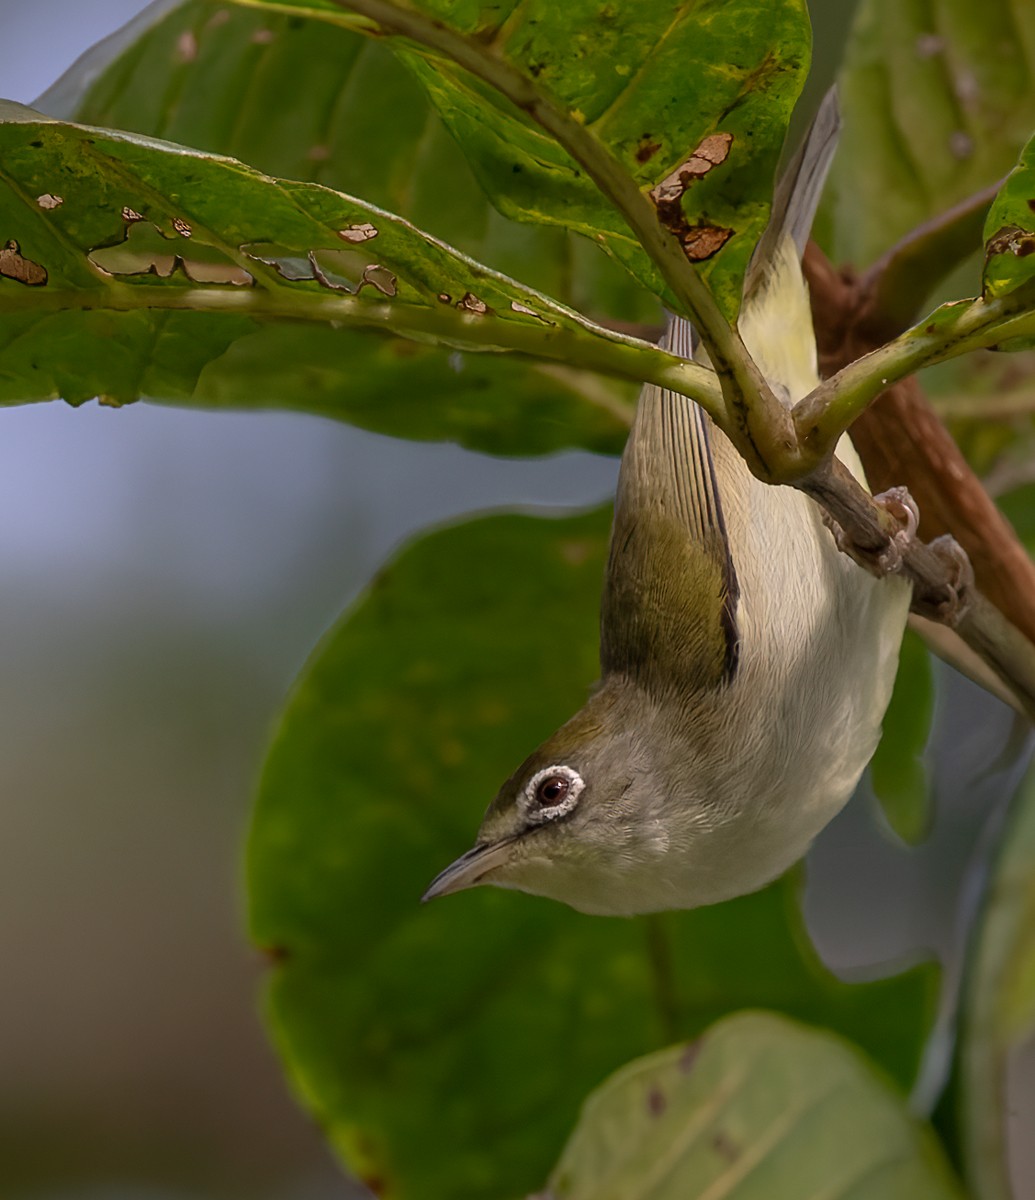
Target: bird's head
582,820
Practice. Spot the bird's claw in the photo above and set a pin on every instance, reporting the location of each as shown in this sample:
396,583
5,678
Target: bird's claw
887,560
901,507
948,609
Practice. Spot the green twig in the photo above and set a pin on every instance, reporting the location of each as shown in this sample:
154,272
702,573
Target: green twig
952,330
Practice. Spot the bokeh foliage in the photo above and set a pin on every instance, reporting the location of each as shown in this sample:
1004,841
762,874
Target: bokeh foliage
427,1040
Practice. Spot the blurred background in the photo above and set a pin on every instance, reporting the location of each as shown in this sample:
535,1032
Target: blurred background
165,575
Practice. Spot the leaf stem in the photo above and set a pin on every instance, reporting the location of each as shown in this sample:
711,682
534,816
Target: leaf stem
589,347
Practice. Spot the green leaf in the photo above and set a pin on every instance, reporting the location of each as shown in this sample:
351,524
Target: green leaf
228,81
938,98
645,82
1010,230
897,770
113,238
999,1001
1018,507
759,1107
426,1040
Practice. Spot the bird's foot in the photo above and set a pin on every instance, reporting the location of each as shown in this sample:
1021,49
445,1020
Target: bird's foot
948,607
887,559
901,507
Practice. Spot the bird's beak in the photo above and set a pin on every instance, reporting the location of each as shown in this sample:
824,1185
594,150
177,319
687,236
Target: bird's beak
469,869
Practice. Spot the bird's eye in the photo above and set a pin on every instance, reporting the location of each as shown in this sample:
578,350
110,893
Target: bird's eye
552,790
552,793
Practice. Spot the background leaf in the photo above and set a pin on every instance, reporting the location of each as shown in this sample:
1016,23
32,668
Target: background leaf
999,1002
898,773
649,81
425,1039
938,97
758,1107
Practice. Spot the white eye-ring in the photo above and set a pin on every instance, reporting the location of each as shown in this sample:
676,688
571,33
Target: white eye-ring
552,793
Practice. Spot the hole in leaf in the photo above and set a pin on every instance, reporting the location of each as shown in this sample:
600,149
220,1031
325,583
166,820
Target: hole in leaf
340,270
145,250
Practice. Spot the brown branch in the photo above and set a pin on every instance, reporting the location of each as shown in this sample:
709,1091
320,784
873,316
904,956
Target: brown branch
901,440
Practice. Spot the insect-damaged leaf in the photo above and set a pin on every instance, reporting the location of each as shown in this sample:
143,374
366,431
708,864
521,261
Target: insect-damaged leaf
1010,230
226,80
426,1038
651,82
758,1107
96,296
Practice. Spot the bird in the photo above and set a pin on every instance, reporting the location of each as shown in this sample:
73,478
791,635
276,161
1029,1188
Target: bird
746,662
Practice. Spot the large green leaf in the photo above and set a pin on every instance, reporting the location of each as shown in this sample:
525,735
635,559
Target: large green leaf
938,98
759,1108
999,1009
304,100
647,81
446,1049
113,238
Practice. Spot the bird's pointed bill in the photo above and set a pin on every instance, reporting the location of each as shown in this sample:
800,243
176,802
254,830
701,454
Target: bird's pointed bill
468,870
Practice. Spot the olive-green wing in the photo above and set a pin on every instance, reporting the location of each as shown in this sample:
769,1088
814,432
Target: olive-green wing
668,617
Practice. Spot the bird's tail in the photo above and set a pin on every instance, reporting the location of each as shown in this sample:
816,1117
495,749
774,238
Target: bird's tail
775,320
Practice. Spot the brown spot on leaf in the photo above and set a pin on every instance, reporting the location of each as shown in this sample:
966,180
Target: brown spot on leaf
130,214
646,148
709,153
961,145
689,1056
725,1147
276,954
699,242
14,265
263,37
318,153
529,312
445,298
219,17
358,233
929,44
469,302
187,47
656,1101
702,241
49,201
576,551
1011,239
1031,205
